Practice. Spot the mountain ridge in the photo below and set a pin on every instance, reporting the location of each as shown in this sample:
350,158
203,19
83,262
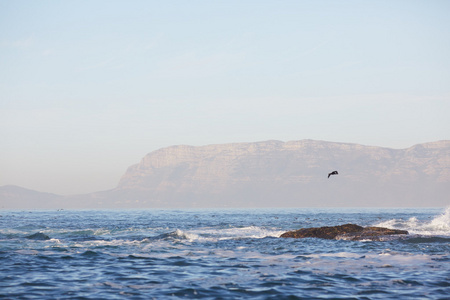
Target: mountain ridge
275,173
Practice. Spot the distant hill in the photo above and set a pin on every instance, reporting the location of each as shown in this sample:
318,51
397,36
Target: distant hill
15,197
281,174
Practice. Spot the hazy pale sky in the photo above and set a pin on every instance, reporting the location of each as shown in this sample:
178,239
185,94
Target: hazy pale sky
87,88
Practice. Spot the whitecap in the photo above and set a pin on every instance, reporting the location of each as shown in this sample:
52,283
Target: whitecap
438,226
185,235
253,232
211,234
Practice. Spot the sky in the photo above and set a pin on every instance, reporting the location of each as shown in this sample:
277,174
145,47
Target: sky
87,88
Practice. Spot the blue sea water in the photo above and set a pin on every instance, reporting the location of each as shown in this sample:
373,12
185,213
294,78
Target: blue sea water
221,254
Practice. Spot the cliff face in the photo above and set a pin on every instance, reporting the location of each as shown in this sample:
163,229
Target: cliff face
275,173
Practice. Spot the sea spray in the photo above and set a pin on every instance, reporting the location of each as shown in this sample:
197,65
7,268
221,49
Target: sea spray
438,226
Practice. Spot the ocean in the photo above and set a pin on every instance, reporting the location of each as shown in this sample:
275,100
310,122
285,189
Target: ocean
221,254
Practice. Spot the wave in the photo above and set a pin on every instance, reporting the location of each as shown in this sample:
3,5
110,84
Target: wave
438,226
208,234
174,235
254,232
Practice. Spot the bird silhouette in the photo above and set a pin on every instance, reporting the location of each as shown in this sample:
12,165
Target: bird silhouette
333,173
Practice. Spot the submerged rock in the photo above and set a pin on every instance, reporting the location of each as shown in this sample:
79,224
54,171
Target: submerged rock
344,232
38,236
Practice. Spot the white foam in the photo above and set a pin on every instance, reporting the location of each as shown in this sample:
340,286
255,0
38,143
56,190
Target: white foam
236,233
441,222
210,234
186,235
338,254
439,225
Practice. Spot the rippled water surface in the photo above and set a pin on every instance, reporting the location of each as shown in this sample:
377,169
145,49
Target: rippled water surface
221,254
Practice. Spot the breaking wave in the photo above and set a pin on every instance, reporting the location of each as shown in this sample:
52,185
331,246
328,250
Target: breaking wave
215,234
438,226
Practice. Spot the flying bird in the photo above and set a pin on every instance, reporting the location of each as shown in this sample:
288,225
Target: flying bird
333,173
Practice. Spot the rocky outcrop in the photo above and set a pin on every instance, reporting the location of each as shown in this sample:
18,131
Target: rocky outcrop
344,232
39,236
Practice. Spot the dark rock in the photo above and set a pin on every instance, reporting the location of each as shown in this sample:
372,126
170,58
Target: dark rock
344,232
38,236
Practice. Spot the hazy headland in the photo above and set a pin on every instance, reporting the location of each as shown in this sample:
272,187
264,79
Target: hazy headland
267,174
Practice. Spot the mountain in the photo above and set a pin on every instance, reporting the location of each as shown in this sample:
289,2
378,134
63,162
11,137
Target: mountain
274,173
281,174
